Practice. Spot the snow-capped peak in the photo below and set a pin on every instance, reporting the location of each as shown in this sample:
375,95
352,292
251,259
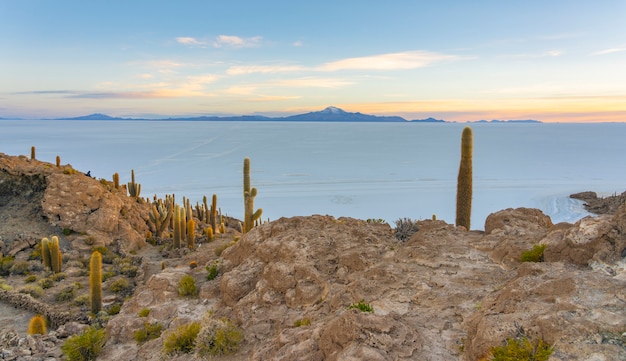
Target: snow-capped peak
333,110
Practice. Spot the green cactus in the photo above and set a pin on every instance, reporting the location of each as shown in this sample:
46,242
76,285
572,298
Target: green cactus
250,215
160,214
95,282
464,182
45,253
134,189
56,258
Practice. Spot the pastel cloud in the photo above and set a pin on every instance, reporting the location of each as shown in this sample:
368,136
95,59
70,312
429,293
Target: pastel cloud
610,51
262,69
392,61
236,41
189,41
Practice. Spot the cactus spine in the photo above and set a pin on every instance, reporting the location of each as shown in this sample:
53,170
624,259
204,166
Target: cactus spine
95,282
250,215
464,182
134,189
37,325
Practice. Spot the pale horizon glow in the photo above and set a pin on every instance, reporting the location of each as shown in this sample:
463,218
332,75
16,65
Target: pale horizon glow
558,61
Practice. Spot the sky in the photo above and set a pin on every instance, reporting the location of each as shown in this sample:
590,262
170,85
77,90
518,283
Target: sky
549,60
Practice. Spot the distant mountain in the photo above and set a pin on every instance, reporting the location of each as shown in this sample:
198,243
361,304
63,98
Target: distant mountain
96,116
330,114
507,121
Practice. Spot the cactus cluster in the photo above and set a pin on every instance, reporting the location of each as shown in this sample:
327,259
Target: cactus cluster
249,193
134,189
51,254
161,214
464,182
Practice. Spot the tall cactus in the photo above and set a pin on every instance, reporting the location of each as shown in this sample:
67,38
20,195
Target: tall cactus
58,162
32,152
213,214
56,258
45,253
134,189
116,180
250,215
464,181
95,282
191,234
180,225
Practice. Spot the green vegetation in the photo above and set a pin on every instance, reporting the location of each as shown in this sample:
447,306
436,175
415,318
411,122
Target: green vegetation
66,294
187,286
182,340
30,279
302,322
376,220
37,325
19,268
533,255
464,181
213,271
5,265
362,306
85,346
45,283
150,331
114,309
218,337
522,350
120,286
144,312
33,290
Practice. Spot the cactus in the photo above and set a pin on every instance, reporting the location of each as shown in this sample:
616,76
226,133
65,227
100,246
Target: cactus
209,233
179,225
213,213
464,182
116,180
37,325
58,162
133,188
32,152
160,214
45,253
56,258
191,234
95,282
250,215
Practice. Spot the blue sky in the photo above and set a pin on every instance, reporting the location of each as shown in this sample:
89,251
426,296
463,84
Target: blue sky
456,60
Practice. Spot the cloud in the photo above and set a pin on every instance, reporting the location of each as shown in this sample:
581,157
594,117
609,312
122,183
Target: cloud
298,43
189,41
43,92
546,54
236,41
263,69
273,98
392,61
312,82
609,51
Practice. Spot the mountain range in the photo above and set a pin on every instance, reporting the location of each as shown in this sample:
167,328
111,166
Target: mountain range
329,114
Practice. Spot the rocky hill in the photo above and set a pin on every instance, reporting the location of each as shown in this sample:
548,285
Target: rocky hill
296,288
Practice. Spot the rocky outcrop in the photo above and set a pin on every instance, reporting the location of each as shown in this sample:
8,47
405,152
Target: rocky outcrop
597,205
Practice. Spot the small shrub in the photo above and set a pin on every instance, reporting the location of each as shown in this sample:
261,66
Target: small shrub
522,350
182,339
107,275
193,264
533,255
405,228
119,286
19,268
30,279
114,309
81,300
125,266
5,265
66,294
217,337
362,306
45,283
213,271
219,249
376,220
33,290
150,331
187,286
85,346
107,256
302,322
58,277
144,313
